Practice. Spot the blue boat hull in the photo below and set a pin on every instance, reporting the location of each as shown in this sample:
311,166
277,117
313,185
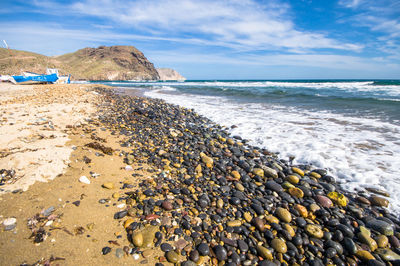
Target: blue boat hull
36,79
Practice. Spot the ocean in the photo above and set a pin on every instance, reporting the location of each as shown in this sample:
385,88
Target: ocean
349,127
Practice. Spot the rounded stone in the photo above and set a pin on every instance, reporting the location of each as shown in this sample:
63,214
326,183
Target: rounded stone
137,239
283,214
279,245
106,250
166,247
264,252
298,171
234,223
296,192
172,256
301,209
364,255
379,201
194,255
10,223
330,252
258,223
203,249
382,241
220,253
293,179
242,245
239,186
108,185
324,201
258,172
167,205
314,230
236,174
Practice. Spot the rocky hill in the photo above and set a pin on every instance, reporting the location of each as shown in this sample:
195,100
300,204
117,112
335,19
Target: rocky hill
169,74
102,63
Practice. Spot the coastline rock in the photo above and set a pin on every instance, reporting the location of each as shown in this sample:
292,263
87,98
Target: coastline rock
169,74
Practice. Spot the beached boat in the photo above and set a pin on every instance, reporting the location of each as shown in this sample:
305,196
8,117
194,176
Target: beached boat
35,79
51,76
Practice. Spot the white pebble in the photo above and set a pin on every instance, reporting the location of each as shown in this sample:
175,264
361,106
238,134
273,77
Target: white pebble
122,205
9,221
128,168
48,223
135,256
84,179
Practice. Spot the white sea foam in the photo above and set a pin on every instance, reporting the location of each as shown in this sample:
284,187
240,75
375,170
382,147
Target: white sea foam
360,152
350,86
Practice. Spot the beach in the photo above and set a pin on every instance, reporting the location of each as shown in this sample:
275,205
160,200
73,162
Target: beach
105,178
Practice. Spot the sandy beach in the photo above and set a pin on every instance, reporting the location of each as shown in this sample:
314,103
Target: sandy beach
43,135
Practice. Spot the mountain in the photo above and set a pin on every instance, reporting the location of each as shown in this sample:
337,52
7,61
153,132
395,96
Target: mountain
169,74
102,63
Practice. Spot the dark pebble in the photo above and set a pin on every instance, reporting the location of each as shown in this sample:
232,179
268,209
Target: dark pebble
106,250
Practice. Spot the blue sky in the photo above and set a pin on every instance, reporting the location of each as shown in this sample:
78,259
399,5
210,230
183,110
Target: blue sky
212,39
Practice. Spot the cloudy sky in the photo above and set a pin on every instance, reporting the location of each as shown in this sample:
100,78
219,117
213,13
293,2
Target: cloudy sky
217,39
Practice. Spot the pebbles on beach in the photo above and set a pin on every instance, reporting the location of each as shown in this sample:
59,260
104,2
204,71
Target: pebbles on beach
217,199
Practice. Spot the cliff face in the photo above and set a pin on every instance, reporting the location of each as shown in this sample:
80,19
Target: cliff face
102,63
169,74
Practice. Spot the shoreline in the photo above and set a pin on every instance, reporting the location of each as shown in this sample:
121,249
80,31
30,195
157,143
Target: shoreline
188,157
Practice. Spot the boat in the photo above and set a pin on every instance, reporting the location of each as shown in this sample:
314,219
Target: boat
35,79
51,76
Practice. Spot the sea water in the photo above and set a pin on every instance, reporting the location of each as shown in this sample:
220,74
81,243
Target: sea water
351,128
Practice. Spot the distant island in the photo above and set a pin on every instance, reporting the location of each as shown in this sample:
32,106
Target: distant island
102,63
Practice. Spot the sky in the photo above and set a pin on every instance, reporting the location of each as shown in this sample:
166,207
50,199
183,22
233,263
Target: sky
217,39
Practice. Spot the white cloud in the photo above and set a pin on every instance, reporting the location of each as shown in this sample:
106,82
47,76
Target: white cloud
383,19
239,24
350,3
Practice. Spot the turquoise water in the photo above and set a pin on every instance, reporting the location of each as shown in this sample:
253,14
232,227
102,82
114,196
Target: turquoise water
350,127
379,99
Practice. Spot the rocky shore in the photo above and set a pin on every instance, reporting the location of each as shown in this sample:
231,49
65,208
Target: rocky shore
153,183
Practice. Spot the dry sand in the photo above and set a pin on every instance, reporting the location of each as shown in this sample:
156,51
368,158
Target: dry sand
43,135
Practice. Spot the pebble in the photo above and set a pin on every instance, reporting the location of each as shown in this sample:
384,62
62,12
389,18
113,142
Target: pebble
296,192
234,223
382,241
119,253
298,171
314,230
388,255
324,201
106,250
166,247
194,255
10,223
380,226
137,239
293,179
364,255
279,245
364,236
264,252
167,205
203,249
379,201
108,185
147,253
84,179
172,256
283,214
220,253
